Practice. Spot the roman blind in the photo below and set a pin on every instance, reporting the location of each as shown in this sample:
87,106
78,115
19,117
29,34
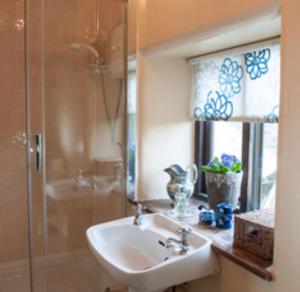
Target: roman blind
240,84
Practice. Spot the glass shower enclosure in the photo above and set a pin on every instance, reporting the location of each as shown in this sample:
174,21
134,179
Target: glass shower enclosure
63,116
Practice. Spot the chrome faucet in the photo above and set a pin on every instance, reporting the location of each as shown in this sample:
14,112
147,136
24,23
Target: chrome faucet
138,218
181,246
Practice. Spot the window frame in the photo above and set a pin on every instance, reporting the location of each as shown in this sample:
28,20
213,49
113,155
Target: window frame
203,153
252,153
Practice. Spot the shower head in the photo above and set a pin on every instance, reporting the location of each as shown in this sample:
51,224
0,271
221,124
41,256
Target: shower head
77,47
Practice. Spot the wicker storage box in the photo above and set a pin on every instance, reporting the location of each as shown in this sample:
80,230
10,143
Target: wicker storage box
254,232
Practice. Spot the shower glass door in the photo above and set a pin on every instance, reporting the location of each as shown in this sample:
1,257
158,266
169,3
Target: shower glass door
14,244
76,84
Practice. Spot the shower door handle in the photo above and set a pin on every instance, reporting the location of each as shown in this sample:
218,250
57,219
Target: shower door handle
38,152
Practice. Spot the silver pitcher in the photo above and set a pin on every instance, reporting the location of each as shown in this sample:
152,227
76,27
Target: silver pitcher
181,180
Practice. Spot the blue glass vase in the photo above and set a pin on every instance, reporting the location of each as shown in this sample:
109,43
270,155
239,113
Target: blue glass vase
224,215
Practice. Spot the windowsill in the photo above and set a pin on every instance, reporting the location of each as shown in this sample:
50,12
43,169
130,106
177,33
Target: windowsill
222,239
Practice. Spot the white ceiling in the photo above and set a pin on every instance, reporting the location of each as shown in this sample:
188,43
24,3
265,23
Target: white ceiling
221,38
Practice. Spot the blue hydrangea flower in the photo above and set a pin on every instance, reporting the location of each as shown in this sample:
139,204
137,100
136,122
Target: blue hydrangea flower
257,63
231,73
218,107
212,163
229,160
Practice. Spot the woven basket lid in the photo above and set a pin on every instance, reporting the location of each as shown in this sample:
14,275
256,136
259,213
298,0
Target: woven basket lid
263,217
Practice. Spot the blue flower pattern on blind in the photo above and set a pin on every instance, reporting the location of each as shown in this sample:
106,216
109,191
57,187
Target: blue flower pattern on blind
231,73
273,116
257,63
223,92
218,107
198,113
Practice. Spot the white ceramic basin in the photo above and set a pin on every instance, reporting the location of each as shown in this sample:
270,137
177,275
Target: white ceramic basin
134,256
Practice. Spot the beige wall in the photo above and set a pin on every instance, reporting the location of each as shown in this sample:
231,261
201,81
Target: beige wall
163,21
164,128
236,279
287,241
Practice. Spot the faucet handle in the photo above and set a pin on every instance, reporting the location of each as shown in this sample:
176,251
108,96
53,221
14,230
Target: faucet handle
184,230
138,219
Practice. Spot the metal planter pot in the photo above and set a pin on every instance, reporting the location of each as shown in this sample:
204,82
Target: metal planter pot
223,188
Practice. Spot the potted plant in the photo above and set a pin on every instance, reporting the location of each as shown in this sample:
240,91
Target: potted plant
223,177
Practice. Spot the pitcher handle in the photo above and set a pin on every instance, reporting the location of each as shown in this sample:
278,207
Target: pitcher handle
192,168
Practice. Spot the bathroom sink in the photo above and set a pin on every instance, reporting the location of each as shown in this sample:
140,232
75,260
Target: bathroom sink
136,256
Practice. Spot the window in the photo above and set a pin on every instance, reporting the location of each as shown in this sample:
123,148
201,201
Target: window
227,138
269,165
236,111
